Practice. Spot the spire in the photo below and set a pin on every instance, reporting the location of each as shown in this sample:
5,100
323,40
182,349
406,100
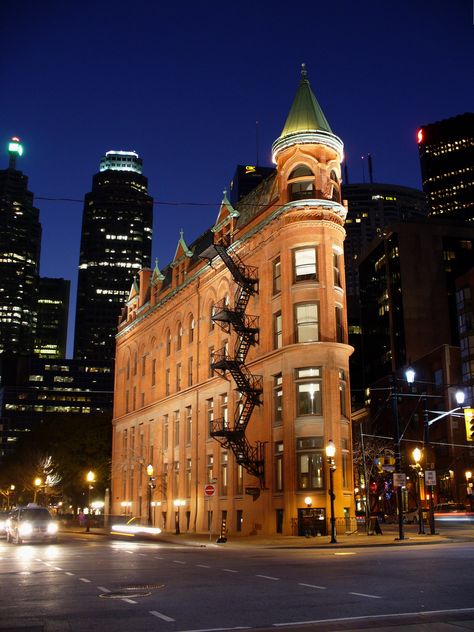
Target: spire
157,275
305,113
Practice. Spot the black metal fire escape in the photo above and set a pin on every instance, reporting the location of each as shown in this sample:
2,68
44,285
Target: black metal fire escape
232,435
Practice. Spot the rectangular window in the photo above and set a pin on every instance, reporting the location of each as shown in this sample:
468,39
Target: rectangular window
134,398
176,428
188,478
224,482
277,332
176,479
210,415
210,361
178,377
153,372
165,432
125,442
279,466
127,403
305,264
189,424
143,365
306,322
277,399
210,468
190,371
224,411
308,391
167,382
336,266
239,480
310,463
276,276
339,328
342,393
345,469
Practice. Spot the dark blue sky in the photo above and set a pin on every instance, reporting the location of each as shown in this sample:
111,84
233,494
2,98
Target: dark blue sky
183,84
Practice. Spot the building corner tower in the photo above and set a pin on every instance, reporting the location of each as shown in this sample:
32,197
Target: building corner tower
115,245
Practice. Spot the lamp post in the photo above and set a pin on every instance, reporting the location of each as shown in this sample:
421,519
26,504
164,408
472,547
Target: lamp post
151,484
90,477
37,482
418,469
178,503
330,453
398,460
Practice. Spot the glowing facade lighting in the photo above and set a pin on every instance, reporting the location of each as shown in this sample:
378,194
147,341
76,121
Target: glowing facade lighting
15,147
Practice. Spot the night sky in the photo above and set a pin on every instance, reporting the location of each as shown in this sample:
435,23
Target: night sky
184,83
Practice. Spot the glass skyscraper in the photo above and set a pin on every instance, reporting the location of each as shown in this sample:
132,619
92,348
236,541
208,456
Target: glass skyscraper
115,245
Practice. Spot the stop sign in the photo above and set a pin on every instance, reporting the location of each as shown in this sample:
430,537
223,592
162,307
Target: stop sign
209,490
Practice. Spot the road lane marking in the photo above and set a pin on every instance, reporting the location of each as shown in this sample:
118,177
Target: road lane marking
58,568
127,551
143,554
365,595
394,615
70,574
345,553
160,615
83,579
103,589
239,627
275,579
229,570
178,562
313,586
203,565
157,557
128,600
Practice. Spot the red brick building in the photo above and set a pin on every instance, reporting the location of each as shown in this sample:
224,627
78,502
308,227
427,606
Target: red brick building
232,365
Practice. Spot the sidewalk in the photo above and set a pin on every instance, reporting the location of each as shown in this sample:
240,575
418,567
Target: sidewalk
353,540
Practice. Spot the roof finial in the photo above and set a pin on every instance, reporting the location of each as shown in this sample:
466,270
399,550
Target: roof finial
181,233
225,191
304,72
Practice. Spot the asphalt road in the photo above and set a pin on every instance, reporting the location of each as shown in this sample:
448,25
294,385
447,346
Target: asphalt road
93,583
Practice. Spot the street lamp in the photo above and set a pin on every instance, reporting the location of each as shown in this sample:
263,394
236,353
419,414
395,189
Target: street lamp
38,482
330,453
418,469
398,460
151,485
178,503
90,477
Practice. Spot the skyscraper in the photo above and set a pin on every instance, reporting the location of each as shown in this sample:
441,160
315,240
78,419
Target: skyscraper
446,151
53,309
115,244
20,243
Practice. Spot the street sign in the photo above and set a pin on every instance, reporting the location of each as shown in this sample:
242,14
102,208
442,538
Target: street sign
430,477
399,479
209,490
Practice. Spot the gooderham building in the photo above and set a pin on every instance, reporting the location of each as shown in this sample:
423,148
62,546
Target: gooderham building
232,363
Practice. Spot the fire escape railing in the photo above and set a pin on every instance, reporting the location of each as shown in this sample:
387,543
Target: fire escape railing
231,435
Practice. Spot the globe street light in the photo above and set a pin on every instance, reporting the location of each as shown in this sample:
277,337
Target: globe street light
90,477
330,453
418,469
38,482
151,485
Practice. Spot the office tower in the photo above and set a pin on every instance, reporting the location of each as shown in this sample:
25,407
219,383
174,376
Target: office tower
53,310
370,208
446,150
408,293
20,243
246,179
115,244
232,362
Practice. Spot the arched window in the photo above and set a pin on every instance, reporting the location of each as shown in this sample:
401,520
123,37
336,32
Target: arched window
212,311
335,193
301,184
179,337
168,342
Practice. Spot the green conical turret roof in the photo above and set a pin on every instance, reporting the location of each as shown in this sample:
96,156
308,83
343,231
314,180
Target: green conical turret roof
305,113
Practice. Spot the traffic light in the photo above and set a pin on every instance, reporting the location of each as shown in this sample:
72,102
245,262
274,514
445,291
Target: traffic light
469,421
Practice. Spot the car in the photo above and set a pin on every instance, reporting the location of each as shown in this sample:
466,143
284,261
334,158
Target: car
4,515
32,523
453,513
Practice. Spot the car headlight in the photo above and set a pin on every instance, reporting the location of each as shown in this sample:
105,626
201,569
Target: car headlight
25,529
3,524
52,528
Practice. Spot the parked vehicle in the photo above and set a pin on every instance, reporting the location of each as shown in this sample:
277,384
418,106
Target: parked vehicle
31,523
4,515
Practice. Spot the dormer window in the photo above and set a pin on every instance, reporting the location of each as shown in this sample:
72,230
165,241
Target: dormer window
301,184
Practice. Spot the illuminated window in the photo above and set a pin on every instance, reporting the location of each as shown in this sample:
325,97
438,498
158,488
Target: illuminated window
310,463
224,475
179,338
277,331
277,399
276,276
305,264
278,466
191,329
308,391
306,322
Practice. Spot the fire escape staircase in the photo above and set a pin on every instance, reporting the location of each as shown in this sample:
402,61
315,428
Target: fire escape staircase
232,436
